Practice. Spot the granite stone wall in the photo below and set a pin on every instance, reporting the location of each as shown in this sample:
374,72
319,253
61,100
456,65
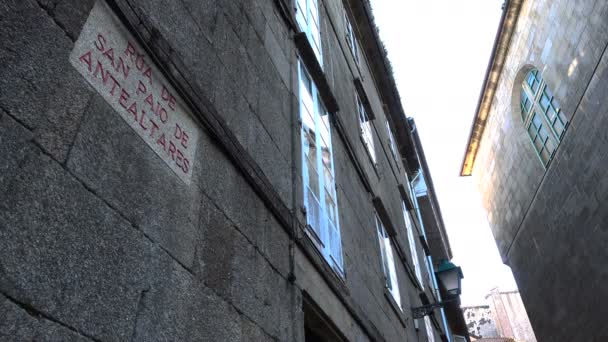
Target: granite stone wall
101,241
550,224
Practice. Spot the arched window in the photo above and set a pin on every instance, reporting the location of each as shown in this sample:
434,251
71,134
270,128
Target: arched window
542,116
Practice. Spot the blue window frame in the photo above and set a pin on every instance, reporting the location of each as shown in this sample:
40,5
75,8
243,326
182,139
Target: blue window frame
318,173
542,116
351,39
307,16
388,261
365,126
409,225
392,144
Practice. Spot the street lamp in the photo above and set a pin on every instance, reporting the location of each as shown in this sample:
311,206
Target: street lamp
449,276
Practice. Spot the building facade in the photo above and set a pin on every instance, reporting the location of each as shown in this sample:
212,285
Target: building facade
537,151
504,317
209,171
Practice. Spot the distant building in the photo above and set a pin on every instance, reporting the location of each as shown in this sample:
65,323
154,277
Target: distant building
480,321
504,317
538,151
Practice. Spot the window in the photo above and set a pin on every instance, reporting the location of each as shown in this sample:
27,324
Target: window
307,16
351,39
391,143
429,329
410,236
366,129
318,173
388,262
542,116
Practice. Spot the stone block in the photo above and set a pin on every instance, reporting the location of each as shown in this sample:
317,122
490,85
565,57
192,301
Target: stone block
18,325
70,15
39,86
215,250
112,160
63,251
178,308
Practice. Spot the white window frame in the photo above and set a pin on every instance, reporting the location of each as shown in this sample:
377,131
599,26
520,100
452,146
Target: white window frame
320,199
388,261
351,39
409,224
391,143
429,329
307,16
365,127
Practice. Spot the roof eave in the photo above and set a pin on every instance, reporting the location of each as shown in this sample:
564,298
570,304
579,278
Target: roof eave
506,27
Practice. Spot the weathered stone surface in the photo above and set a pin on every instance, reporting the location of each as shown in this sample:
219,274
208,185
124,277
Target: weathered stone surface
177,307
123,170
19,325
39,86
549,224
98,235
79,268
70,15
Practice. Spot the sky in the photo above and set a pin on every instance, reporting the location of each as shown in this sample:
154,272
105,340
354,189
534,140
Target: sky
439,50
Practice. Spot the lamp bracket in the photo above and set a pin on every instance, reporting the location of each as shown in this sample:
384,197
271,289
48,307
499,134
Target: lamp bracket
425,310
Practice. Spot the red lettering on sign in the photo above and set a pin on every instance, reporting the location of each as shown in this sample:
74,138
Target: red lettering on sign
184,139
148,74
166,95
101,40
154,128
133,110
141,89
86,58
109,54
105,75
124,96
141,120
139,60
181,135
178,160
130,50
161,141
162,114
120,65
172,150
114,84
186,166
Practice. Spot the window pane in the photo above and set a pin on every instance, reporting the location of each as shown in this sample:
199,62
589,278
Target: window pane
394,287
532,131
536,120
548,92
330,206
313,213
550,145
382,247
535,86
558,127
538,143
551,114
412,242
309,147
366,132
544,155
544,101
543,132
531,78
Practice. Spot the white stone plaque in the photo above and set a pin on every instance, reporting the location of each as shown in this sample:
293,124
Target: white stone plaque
110,59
